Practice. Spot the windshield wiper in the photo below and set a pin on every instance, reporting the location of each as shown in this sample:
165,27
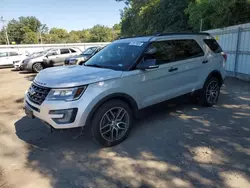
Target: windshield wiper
94,65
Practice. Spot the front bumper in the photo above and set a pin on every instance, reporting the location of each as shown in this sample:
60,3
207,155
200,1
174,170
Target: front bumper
42,112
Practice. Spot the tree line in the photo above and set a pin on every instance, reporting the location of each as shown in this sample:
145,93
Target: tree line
152,16
29,30
139,17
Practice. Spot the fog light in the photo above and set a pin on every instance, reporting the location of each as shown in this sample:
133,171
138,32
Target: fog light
63,116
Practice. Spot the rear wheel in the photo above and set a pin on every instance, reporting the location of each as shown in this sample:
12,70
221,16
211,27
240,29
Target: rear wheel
37,67
210,92
112,123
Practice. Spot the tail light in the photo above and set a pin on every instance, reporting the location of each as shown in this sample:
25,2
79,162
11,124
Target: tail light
224,55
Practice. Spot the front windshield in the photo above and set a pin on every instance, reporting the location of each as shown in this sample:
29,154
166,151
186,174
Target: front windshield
118,56
89,51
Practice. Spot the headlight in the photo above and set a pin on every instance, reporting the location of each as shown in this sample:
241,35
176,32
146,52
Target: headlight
68,94
27,61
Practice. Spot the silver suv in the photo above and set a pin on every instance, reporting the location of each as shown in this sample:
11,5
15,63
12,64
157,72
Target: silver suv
49,58
125,77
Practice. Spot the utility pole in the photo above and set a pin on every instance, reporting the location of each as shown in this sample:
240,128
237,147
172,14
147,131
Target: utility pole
5,29
40,35
201,25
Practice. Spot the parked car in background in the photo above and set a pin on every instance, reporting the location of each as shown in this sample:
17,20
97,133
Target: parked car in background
49,58
18,65
83,57
8,57
127,76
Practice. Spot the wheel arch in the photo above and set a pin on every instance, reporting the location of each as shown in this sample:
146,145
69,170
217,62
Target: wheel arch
116,96
217,75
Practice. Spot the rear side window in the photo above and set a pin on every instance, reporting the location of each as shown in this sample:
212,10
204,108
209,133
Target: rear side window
176,50
3,54
72,50
64,51
186,49
13,53
213,45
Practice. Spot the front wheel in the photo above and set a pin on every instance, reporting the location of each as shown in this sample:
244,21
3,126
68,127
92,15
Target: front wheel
112,123
210,92
37,67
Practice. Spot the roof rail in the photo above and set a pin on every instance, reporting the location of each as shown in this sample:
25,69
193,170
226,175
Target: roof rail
183,33
170,33
137,36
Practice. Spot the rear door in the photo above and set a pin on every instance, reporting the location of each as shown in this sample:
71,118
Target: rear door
188,65
64,53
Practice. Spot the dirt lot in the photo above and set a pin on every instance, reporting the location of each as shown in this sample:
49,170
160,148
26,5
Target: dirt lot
178,146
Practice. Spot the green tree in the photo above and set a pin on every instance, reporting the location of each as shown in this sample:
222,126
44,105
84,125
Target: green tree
61,33
2,37
152,16
217,13
100,33
17,28
30,38
51,39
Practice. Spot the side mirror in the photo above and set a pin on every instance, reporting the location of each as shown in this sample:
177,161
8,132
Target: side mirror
147,64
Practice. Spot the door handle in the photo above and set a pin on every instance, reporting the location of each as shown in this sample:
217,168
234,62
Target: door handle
172,69
205,61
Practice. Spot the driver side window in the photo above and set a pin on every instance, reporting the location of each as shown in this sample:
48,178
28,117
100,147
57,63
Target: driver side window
164,52
53,52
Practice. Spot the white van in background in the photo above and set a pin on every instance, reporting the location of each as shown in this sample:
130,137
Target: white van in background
7,58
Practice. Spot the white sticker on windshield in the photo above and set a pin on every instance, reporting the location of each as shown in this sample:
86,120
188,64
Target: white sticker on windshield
135,44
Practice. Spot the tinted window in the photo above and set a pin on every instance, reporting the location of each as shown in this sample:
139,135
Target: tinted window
64,51
213,45
3,54
175,50
13,53
72,51
186,49
164,52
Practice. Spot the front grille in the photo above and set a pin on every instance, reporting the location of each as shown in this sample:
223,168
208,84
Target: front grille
37,94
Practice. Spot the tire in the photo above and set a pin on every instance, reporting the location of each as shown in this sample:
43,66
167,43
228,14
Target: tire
37,67
210,92
104,125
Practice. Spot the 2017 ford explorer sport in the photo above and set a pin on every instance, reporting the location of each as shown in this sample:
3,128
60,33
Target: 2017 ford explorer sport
125,77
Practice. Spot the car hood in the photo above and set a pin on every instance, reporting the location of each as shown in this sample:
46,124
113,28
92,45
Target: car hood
71,76
40,58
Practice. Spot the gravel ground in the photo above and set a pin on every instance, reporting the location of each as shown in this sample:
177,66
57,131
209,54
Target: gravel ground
177,145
